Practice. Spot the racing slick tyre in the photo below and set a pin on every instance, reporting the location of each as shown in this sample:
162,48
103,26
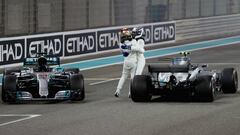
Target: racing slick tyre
11,70
205,90
9,88
140,88
77,86
74,70
229,80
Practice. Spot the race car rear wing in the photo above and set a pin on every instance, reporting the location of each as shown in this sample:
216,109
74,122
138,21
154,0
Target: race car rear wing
156,68
34,61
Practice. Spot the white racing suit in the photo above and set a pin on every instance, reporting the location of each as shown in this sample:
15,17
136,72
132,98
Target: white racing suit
140,56
129,64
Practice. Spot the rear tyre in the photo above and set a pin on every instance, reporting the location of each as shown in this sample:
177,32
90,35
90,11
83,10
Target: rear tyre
9,88
77,85
229,80
205,90
140,86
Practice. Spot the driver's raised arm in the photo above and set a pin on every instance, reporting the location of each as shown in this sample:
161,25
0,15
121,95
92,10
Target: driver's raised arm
138,47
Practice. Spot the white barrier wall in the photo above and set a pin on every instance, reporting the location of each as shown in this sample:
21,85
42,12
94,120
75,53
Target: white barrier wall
205,27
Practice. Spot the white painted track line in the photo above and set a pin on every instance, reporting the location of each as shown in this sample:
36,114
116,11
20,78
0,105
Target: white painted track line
27,116
104,81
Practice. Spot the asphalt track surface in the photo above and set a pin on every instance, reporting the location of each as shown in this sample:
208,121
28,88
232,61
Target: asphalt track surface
103,114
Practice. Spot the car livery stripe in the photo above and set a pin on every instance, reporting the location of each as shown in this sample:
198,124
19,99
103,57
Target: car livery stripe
117,59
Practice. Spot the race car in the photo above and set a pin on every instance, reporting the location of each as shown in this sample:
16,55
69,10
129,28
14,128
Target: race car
42,78
181,77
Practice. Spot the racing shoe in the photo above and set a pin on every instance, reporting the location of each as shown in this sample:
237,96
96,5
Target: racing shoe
129,95
116,94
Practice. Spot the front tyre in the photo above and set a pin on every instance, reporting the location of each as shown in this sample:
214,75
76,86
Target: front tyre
77,86
9,88
140,86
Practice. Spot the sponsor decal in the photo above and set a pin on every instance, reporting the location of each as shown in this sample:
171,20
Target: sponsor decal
77,44
148,34
108,39
11,51
163,32
47,44
43,84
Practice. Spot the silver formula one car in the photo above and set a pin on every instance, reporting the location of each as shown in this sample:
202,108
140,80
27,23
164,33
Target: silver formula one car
181,77
36,80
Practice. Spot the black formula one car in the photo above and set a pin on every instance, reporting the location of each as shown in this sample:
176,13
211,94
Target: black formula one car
36,80
181,77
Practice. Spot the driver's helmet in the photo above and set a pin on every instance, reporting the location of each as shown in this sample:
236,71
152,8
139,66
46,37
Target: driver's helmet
125,34
138,32
42,63
181,61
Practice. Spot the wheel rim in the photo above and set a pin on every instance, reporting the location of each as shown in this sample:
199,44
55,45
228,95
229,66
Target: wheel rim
213,89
